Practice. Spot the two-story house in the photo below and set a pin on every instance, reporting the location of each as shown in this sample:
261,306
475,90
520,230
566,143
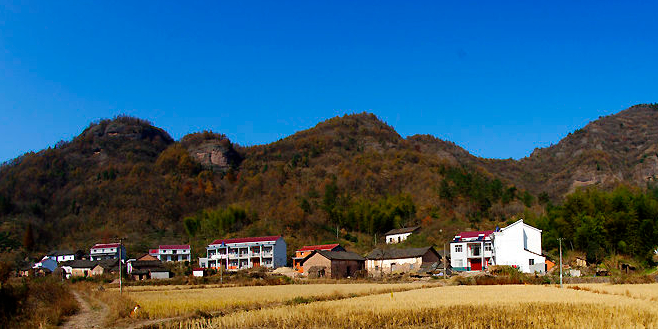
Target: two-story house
243,253
517,245
102,251
172,253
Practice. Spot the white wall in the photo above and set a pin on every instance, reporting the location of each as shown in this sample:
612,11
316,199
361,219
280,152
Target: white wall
393,238
510,244
401,264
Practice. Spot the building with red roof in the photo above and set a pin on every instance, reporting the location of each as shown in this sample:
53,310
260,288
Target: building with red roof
243,253
102,251
172,253
517,245
304,251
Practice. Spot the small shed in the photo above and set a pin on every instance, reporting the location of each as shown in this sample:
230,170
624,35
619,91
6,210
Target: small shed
336,264
198,272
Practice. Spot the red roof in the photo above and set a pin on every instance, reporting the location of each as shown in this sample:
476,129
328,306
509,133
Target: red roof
198,269
244,240
474,234
154,251
319,247
174,246
105,245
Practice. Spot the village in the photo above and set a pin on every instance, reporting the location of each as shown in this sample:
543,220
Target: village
517,245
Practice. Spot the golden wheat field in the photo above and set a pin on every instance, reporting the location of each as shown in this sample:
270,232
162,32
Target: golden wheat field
512,306
647,291
176,301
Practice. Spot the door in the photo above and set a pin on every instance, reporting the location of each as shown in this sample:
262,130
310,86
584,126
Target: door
476,265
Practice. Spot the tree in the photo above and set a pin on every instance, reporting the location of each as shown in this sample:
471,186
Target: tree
28,238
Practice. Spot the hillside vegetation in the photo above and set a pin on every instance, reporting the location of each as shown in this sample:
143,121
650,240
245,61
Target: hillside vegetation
348,179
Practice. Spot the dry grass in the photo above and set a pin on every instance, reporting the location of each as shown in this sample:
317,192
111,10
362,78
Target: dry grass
647,291
452,307
161,303
113,305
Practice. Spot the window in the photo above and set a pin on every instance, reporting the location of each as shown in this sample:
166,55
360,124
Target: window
487,247
398,239
531,261
411,266
458,248
459,263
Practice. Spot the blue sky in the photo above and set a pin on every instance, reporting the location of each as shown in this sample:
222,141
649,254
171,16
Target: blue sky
498,78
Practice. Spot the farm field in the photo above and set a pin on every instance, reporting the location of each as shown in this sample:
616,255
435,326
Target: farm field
456,307
163,301
648,291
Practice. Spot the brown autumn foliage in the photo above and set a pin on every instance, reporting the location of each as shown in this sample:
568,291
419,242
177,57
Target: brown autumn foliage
124,177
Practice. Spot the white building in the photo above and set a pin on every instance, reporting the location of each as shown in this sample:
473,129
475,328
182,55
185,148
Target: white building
400,234
102,251
65,255
517,245
172,253
242,253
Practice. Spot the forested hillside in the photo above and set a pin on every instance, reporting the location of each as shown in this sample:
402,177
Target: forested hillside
348,179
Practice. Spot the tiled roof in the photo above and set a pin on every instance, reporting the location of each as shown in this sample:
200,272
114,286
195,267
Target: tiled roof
340,255
105,245
319,247
474,234
245,240
174,246
399,253
402,230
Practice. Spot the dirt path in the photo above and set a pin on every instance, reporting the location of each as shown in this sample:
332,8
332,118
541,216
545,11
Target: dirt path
87,317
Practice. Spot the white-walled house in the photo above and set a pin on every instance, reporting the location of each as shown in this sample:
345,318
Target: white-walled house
471,251
242,253
386,261
66,255
399,234
172,253
102,251
517,245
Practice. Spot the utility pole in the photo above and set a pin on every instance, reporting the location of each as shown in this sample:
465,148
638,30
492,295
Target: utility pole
560,240
445,260
120,258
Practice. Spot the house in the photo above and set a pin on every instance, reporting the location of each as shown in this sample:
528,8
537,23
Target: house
78,267
198,272
581,262
102,251
400,234
304,251
172,253
333,264
147,269
105,266
381,261
146,257
517,245
243,253
66,255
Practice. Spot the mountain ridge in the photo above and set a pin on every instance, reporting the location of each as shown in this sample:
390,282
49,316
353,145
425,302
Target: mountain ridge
354,171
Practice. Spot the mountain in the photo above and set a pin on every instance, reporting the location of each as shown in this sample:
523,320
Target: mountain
619,148
349,178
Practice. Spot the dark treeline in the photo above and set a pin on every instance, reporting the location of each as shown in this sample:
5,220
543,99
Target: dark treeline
599,223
